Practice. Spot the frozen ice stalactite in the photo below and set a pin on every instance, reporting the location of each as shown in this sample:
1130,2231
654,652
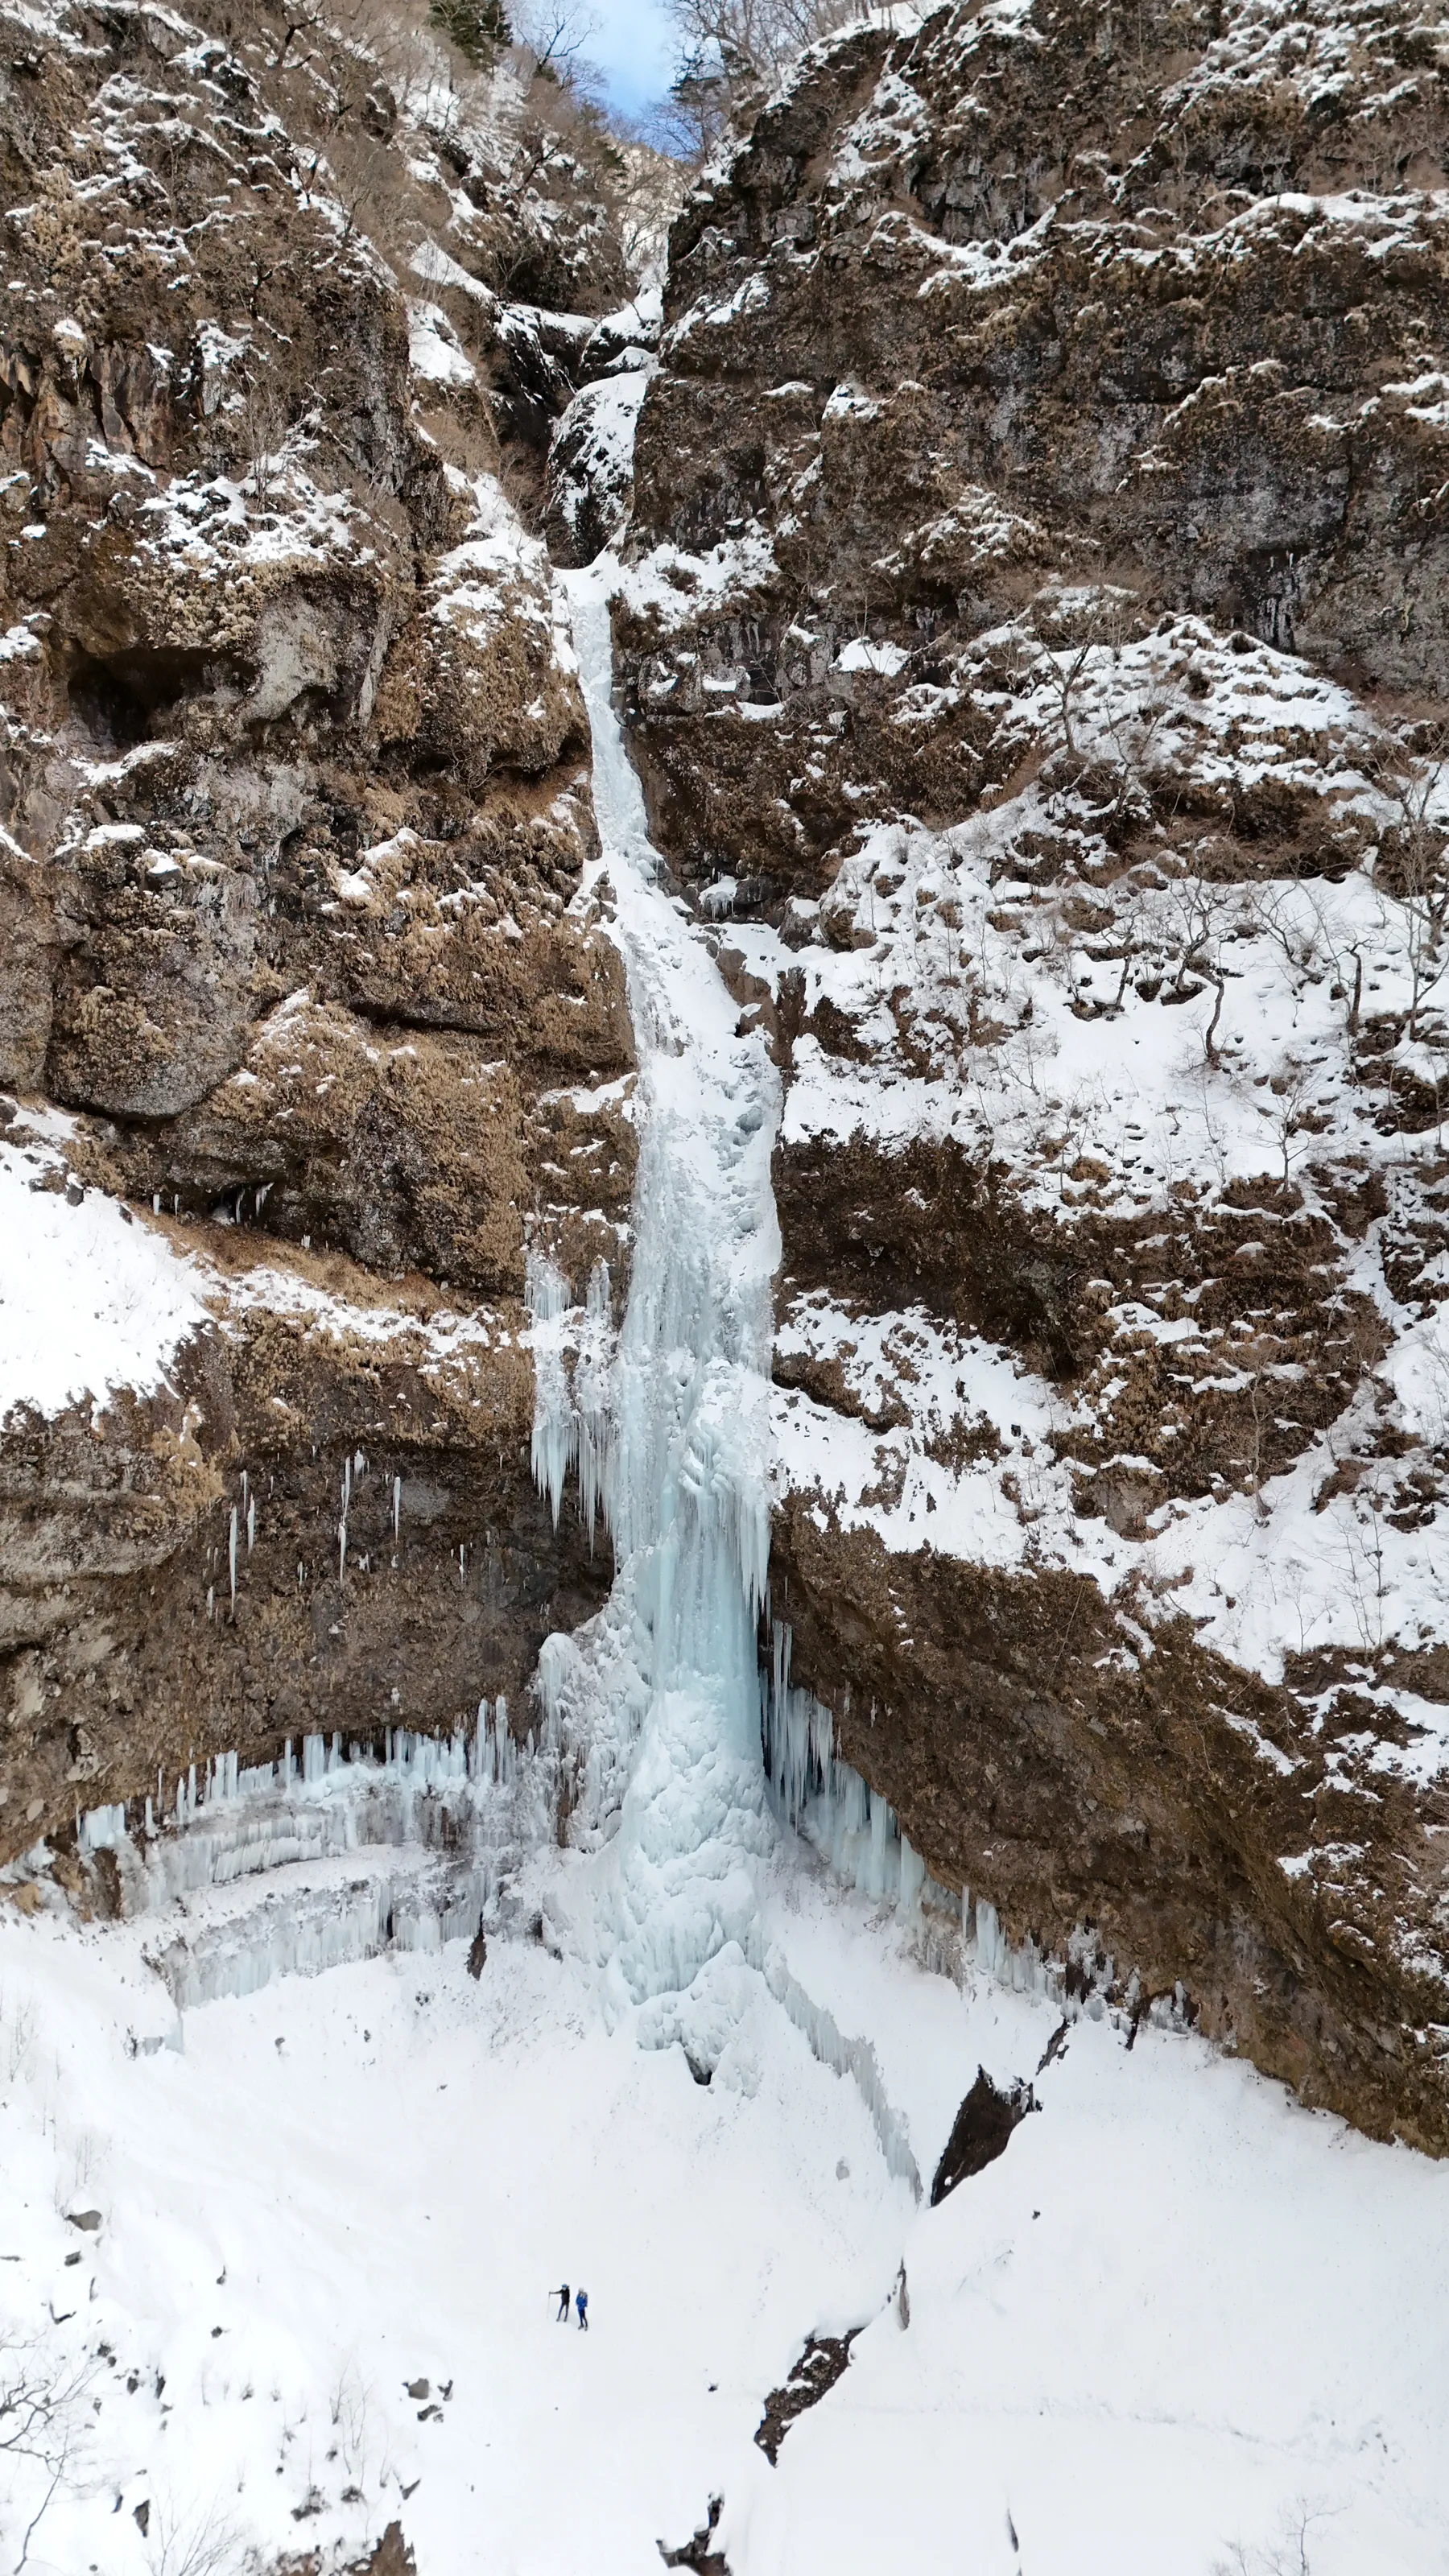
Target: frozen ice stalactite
424,1831
555,1434
573,1349
655,1703
820,1796
102,1830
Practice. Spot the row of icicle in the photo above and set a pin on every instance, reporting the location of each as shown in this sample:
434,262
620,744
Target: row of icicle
484,1754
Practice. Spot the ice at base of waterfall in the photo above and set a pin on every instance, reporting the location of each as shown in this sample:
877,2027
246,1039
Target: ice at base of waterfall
1176,2314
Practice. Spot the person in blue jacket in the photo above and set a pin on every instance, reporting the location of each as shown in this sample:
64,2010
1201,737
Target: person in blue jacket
582,2304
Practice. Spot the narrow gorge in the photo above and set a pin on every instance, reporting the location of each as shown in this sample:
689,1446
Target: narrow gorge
725,905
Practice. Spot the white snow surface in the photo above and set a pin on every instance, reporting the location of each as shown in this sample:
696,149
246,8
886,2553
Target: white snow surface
435,352
89,1300
1178,2314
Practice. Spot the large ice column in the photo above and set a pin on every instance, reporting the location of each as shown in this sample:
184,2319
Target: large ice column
685,1468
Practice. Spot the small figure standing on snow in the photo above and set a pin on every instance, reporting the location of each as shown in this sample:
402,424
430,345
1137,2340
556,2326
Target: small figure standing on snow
582,2304
563,2304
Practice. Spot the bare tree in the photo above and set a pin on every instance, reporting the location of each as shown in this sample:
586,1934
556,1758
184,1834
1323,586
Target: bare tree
42,2427
1208,915
1291,1112
733,52
555,37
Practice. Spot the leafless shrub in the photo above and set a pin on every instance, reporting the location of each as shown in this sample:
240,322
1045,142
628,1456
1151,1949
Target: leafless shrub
1291,1111
1287,2556
43,2425
350,2405
1207,916
194,2541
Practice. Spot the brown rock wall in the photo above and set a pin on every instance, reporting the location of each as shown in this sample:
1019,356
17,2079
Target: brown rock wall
1034,1752
122,1651
295,805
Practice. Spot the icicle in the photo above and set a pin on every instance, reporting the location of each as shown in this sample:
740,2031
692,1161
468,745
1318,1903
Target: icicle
231,1558
396,1508
211,1600
251,1524
342,1551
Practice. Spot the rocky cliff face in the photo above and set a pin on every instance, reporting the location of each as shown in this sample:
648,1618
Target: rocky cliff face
1035,635
296,816
1032,629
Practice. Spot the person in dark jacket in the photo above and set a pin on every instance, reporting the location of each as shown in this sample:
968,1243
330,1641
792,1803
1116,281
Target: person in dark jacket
563,2305
582,2304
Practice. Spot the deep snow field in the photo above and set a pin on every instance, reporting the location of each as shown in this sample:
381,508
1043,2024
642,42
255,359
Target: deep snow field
1178,2315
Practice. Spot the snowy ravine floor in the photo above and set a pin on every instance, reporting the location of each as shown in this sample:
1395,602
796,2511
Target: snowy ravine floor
1180,2323
1176,2314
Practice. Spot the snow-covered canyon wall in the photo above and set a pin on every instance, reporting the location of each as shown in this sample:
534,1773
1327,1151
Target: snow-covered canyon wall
307,1032
1034,622
1030,627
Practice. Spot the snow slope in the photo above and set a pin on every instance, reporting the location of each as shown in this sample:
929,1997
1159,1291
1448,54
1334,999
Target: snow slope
1226,2311
89,1300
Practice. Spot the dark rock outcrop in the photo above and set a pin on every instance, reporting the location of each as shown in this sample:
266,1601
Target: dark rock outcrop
980,2132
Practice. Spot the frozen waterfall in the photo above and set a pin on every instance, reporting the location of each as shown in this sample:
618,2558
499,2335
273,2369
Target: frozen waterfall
658,1702
660,1694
